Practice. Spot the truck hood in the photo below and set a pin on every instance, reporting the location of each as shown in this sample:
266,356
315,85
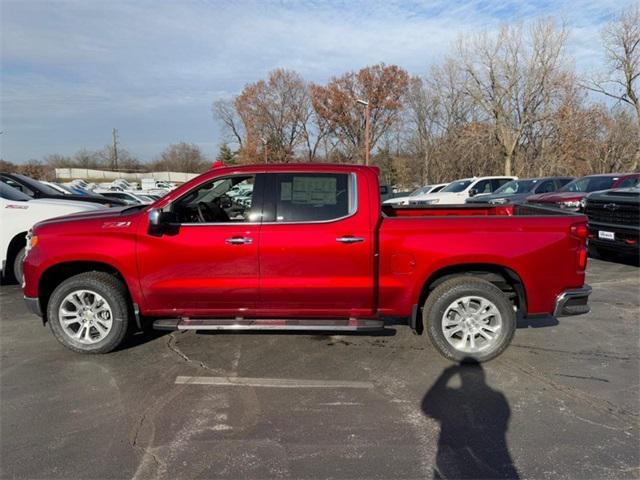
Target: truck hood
507,197
555,197
391,201
118,214
442,196
53,202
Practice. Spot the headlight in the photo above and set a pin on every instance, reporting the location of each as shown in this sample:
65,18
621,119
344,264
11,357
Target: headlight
431,201
571,204
498,201
32,241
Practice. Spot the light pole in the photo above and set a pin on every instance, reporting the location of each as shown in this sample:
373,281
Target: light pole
367,119
264,149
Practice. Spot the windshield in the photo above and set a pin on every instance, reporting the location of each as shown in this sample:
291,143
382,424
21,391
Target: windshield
458,186
517,186
10,193
589,184
36,185
420,191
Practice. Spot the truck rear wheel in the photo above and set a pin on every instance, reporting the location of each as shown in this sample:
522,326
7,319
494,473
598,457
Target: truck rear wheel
469,319
89,312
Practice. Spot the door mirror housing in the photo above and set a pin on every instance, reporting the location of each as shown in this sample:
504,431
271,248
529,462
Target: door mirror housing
473,192
160,221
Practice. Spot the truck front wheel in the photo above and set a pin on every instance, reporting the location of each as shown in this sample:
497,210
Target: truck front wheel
89,312
469,319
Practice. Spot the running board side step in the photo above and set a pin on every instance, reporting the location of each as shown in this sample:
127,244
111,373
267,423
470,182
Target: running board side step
351,324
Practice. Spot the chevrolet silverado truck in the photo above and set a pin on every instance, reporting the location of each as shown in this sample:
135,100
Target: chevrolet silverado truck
614,221
311,248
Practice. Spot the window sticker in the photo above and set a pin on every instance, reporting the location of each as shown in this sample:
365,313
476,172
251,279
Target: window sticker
285,191
314,190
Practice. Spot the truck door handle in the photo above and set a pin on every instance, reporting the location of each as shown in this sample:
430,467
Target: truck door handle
349,239
239,241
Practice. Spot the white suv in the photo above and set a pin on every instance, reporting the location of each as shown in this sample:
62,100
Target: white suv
406,200
18,213
458,191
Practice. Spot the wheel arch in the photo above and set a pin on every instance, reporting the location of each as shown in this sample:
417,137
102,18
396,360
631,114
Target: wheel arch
58,273
505,278
16,243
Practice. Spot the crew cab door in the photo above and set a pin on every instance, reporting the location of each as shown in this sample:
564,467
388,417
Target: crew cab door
205,263
316,246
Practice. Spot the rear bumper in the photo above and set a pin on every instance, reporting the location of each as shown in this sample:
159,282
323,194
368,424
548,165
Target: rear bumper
573,302
33,304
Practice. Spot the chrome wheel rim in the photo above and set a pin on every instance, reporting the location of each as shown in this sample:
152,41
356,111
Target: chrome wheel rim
472,324
85,316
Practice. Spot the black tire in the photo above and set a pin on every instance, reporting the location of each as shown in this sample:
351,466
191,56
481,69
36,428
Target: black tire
18,271
114,293
448,292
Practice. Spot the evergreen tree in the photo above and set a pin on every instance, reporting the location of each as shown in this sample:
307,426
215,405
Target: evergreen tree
226,155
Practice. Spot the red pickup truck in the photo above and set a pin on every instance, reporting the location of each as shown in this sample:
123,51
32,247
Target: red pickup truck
304,247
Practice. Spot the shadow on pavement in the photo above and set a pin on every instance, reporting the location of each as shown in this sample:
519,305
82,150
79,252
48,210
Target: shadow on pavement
474,419
536,322
614,257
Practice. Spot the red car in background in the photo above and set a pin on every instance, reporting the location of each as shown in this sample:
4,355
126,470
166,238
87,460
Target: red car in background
571,196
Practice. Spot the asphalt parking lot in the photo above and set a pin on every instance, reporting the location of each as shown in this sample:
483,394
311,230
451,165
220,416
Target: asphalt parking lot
562,402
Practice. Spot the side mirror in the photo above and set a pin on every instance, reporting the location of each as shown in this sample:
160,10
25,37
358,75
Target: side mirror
154,217
473,192
160,221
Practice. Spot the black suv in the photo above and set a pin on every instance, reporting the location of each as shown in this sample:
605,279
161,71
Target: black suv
35,189
614,220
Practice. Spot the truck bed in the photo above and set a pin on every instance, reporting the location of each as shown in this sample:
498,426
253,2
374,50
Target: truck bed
470,210
540,246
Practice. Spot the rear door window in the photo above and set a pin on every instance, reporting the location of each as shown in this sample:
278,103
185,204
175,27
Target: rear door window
483,186
628,182
313,197
547,186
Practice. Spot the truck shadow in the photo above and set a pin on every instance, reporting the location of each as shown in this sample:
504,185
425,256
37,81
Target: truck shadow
536,322
321,336
474,419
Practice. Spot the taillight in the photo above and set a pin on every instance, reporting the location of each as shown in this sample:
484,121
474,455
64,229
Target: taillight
582,258
580,230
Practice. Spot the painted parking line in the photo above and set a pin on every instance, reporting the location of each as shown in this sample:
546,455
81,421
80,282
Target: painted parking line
271,382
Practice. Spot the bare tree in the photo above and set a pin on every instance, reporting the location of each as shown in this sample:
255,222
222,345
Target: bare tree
510,76
274,113
181,157
421,118
621,40
225,111
381,85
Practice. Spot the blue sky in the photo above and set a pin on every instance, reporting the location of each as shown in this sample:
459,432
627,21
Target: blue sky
73,70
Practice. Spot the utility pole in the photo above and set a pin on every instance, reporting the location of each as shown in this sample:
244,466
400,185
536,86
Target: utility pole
367,119
115,149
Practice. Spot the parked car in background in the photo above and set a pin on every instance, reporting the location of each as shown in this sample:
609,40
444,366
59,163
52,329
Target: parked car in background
518,190
57,187
571,196
312,250
37,190
18,213
614,221
457,192
129,198
406,200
